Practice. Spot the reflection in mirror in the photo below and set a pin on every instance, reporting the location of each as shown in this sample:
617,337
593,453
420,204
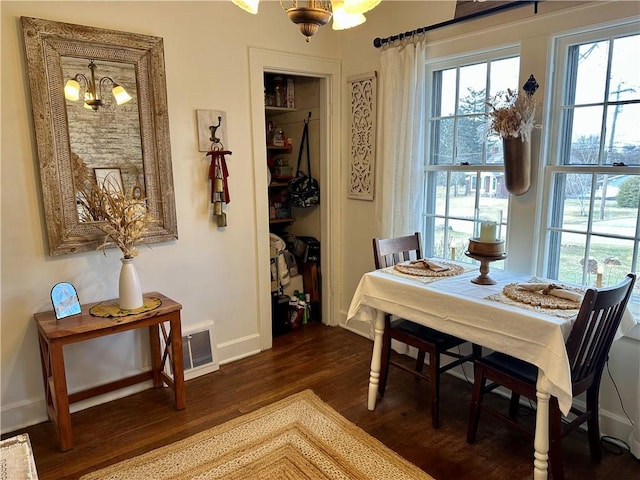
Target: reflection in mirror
107,137
77,147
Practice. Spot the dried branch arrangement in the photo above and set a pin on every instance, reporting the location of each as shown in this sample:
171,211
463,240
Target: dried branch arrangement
122,216
512,114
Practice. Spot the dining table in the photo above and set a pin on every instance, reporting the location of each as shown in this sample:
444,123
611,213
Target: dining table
482,314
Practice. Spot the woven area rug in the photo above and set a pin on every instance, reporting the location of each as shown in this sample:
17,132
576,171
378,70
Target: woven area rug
300,437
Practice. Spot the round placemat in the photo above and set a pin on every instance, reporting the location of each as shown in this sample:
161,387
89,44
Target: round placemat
112,309
538,299
419,270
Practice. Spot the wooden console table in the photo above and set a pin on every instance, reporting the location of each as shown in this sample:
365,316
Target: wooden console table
54,334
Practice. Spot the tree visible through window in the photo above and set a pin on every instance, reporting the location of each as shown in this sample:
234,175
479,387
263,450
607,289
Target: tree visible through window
464,168
593,173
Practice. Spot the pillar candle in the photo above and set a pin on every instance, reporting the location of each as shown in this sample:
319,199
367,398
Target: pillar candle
488,232
599,273
453,251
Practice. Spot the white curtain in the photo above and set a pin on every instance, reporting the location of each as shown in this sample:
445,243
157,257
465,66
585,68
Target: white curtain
402,119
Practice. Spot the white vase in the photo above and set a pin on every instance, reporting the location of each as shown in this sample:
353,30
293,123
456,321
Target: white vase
130,292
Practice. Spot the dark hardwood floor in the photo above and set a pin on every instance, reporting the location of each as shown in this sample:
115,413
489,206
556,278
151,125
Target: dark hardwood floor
334,363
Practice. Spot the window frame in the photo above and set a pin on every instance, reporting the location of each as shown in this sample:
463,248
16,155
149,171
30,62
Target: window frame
429,214
549,248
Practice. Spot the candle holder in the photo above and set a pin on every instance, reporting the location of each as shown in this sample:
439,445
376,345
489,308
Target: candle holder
485,253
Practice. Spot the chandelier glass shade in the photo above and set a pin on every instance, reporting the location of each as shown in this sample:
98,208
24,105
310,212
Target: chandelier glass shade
93,98
250,6
343,19
310,15
360,6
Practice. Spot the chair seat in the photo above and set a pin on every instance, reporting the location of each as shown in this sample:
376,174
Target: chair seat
523,371
443,341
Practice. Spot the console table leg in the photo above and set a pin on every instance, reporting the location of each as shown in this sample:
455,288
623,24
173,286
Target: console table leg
175,337
156,360
59,409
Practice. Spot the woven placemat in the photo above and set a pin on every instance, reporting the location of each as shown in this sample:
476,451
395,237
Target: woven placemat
112,309
419,270
538,299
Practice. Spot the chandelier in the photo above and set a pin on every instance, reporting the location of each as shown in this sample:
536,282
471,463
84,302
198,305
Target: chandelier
310,15
93,98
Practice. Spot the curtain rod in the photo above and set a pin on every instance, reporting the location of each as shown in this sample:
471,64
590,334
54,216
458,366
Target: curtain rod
379,42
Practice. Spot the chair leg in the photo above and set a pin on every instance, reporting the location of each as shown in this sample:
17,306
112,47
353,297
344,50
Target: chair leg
555,438
434,367
420,361
593,422
514,405
476,399
384,360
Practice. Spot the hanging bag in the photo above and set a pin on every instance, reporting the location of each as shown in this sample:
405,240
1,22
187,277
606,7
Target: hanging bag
304,191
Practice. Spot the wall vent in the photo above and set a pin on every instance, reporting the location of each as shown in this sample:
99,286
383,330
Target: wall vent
199,352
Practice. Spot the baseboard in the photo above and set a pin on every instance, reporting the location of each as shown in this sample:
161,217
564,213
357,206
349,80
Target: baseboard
239,348
33,411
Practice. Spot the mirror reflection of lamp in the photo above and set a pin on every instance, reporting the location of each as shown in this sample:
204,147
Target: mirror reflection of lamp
93,90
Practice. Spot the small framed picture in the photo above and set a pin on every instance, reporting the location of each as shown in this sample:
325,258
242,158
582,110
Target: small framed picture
109,179
64,298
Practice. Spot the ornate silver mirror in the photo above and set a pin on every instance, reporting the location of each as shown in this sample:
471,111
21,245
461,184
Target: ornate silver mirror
126,143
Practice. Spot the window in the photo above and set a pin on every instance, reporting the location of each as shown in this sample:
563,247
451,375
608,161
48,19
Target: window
464,177
593,168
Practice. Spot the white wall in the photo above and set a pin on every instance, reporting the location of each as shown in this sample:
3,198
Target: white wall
533,33
212,272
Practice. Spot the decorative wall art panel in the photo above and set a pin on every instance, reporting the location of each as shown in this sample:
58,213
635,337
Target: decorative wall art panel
363,135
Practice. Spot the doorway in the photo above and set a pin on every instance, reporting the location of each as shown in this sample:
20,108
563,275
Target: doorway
328,74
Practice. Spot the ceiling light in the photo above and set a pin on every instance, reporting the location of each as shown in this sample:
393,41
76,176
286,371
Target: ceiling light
310,15
343,19
250,6
360,6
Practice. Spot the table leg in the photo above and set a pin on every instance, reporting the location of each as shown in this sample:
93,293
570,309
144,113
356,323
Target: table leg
156,355
175,337
59,410
541,440
374,377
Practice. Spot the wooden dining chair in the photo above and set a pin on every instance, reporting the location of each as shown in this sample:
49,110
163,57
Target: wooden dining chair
587,349
387,252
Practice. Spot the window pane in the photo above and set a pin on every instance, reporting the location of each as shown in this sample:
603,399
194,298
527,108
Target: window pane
572,253
470,140
585,125
442,144
612,258
592,72
623,134
447,100
616,205
625,74
439,240
472,88
504,75
576,199
441,192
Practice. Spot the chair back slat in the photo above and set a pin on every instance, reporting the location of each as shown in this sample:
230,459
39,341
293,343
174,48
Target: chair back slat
390,251
594,330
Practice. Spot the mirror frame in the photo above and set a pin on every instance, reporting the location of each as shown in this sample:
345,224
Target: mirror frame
46,42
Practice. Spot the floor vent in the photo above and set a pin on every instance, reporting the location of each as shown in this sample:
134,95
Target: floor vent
199,351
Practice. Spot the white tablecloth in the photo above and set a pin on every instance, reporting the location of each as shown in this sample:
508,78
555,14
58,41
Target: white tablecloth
459,307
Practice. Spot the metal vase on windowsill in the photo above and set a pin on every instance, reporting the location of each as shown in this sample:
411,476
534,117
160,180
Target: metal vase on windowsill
517,165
